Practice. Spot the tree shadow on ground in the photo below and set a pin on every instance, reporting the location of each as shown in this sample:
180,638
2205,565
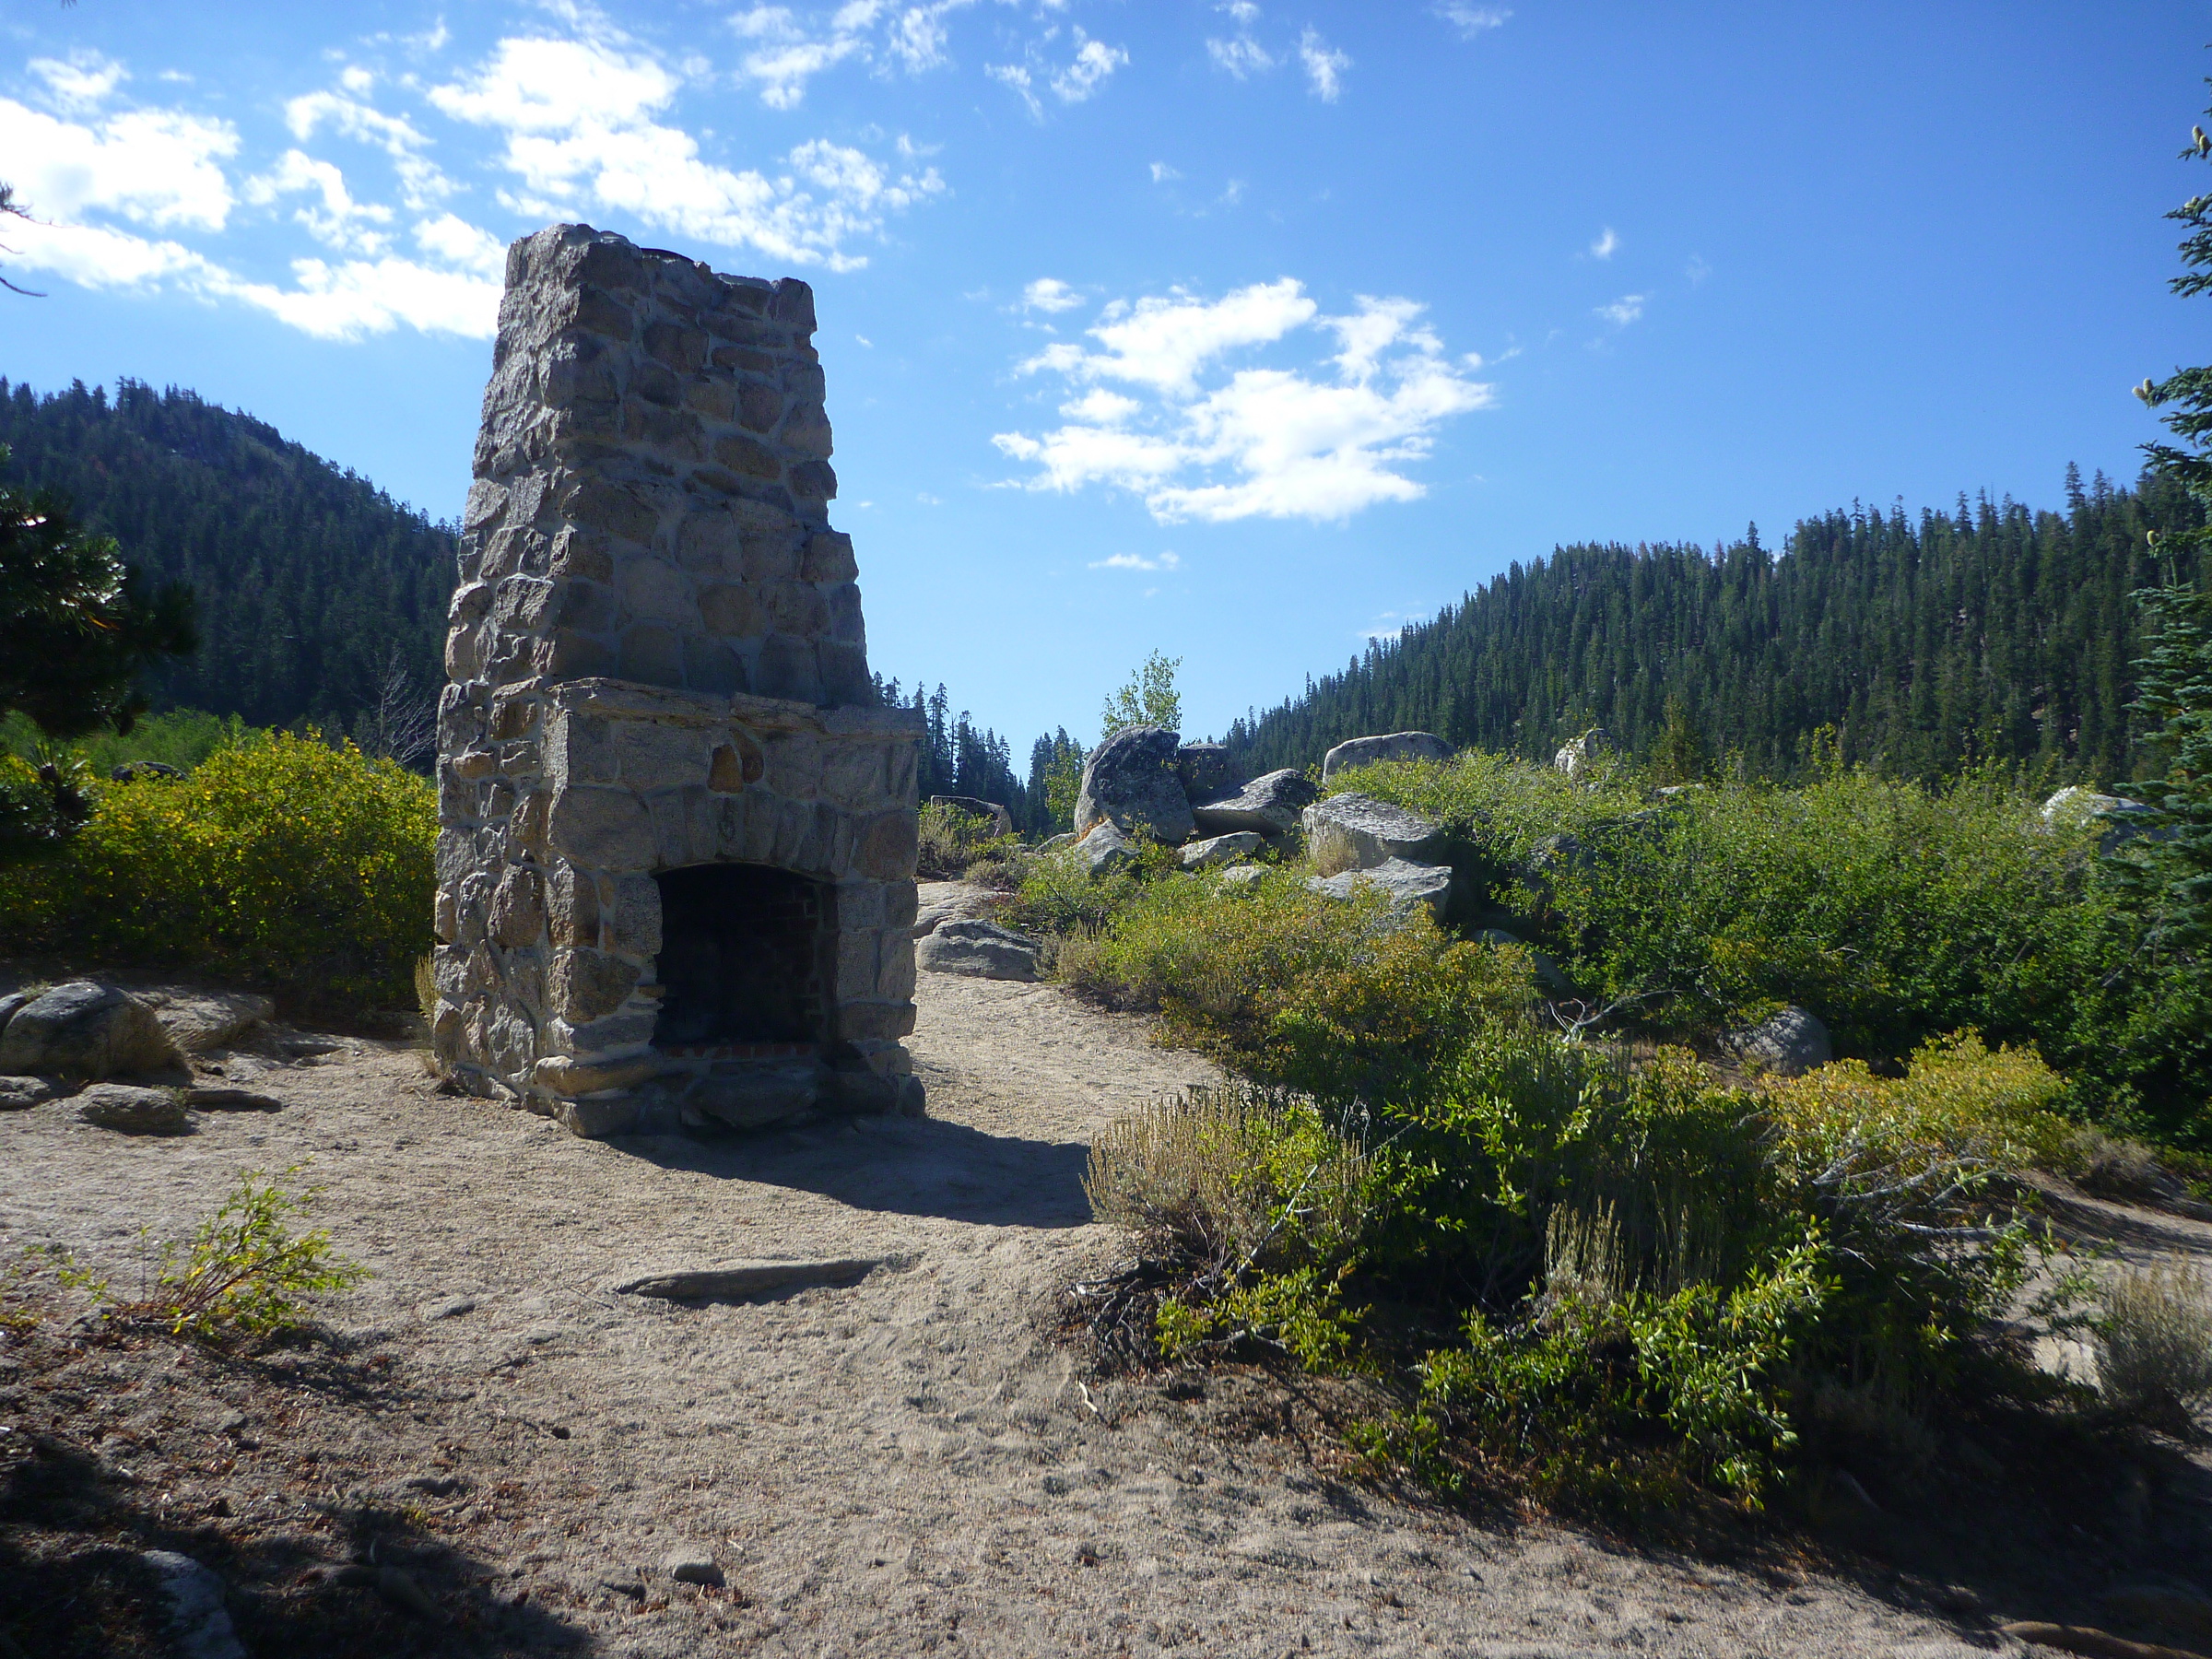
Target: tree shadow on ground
899,1166
74,1579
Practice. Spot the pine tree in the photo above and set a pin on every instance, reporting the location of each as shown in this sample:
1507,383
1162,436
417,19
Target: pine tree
2175,678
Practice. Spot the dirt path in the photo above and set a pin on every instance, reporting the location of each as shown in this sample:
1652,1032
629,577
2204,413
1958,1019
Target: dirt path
905,1465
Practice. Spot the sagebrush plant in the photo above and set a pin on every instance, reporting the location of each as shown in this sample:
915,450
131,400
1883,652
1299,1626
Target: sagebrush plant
1647,1246
1257,1207
1057,894
1231,1179
278,859
244,1272
2153,1333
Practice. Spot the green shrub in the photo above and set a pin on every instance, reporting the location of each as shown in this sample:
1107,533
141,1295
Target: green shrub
1057,895
278,860
1894,910
244,1272
1337,999
1566,1402
951,839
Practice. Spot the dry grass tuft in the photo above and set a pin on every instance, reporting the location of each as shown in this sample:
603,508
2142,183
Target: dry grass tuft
2154,1339
1231,1178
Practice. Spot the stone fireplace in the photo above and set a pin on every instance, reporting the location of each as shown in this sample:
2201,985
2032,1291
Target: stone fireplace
675,849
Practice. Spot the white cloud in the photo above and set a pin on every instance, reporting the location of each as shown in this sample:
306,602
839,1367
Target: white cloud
1324,66
421,185
1162,342
466,246
1697,270
1623,311
340,222
1243,56
1050,294
333,302
361,297
1262,441
1162,172
1099,407
159,168
787,59
80,86
94,256
916,37
1473,20
765,23
1072,83
1137,561
1093,62
1017,78
579,117
1603,248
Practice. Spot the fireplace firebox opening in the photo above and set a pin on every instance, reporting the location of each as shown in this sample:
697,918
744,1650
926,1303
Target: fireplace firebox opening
748,954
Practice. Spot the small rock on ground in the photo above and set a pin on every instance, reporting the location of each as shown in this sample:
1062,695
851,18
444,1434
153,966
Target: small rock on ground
16,1094
195,1606
980,950
132,1110
85,1030
691,1566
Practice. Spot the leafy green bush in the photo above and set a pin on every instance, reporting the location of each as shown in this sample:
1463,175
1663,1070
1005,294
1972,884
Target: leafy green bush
245,1272
1894,910
1664,1269
951,839
277,860
1057,895
1334,998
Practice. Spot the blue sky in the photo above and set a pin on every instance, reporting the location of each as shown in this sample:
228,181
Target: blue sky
1236,331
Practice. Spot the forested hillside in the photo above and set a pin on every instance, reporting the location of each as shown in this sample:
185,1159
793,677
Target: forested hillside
309,577
1992,631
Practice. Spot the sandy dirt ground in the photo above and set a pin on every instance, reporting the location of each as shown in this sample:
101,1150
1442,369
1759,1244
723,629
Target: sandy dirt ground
911,1464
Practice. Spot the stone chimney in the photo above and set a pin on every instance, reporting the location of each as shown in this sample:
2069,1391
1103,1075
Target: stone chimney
676,849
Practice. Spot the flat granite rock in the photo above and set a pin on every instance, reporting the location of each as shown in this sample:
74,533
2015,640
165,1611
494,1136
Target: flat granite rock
980,951
1221,849
1392,746
19,1094
1356,831
1404,883
130,1110
197,1021
1267,806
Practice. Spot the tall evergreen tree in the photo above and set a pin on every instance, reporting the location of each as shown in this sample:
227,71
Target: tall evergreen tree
2174,678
